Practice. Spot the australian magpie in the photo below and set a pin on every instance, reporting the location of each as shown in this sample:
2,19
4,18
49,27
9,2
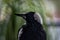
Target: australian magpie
33,29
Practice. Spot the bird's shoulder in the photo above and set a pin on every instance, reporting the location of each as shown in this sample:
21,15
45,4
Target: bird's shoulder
21,28
20,31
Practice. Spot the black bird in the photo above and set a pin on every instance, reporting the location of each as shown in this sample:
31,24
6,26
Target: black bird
33,29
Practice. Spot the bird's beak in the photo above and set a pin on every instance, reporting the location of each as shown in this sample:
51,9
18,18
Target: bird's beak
21,15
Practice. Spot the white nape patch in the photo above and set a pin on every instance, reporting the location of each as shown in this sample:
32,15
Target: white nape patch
38,17
20,32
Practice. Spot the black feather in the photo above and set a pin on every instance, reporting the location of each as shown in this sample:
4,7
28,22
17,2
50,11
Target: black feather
33,30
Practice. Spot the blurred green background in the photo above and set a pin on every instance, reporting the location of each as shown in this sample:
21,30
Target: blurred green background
9,23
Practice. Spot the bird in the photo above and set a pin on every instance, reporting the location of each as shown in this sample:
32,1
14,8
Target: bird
33,29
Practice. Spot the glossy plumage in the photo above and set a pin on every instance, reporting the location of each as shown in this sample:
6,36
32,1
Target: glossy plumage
32,30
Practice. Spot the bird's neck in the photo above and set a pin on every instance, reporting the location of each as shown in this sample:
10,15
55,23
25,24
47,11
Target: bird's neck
32,23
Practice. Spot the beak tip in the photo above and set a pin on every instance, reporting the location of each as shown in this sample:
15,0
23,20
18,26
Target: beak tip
20,15
17,14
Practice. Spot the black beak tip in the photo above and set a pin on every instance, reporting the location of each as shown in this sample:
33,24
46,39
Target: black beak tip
20,15
17,14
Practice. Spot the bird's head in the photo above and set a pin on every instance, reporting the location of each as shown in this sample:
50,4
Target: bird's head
31,17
